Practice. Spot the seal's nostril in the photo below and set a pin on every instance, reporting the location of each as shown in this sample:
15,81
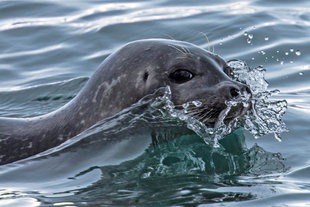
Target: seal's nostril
234,92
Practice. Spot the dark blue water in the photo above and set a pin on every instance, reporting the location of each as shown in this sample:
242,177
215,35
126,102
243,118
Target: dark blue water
49,49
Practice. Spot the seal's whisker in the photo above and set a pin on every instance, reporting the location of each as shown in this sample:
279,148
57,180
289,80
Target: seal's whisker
195,113
213,113
205,119
186,50
177,49
209,115
182,50
206,114
208,42
170,37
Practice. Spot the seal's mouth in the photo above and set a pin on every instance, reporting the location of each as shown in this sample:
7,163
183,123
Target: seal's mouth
213,110
211,115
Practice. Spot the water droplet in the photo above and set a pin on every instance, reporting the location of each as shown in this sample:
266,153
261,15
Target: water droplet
291,61
253,58
182,117
301,73
278,51
263,52
185,105
250,37
197,103
298,52
291,50
281,62
245,33
286,53
256,136
266,38
245,104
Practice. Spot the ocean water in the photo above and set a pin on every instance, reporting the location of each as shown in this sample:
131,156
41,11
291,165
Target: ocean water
49,49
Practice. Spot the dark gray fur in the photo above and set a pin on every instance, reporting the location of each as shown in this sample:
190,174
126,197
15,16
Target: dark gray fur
132,72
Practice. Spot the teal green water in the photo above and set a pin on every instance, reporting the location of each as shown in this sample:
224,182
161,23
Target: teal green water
49,49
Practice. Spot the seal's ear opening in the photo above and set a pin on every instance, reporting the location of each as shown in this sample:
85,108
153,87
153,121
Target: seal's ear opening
145,76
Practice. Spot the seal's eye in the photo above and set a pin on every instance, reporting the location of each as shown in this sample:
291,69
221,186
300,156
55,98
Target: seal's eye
181,76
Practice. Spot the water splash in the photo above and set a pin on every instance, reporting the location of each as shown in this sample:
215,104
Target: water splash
266,114
264,117
206,132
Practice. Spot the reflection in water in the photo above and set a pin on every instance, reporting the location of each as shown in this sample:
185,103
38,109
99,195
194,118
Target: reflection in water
182,171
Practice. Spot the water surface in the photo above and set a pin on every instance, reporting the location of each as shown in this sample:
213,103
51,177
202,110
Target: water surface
49,49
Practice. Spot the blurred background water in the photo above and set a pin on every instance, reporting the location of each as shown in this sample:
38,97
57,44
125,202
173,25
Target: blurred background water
49,49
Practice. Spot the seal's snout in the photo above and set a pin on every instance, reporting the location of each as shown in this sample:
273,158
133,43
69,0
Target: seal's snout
233,90
236,92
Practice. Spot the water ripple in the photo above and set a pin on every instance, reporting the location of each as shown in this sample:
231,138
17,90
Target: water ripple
46,46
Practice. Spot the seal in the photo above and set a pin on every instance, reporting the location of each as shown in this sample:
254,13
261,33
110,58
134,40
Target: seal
132,72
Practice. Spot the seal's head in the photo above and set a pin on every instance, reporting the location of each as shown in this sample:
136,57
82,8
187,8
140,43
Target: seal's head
191,72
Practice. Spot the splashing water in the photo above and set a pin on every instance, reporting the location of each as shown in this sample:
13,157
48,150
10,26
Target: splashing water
192,123
264,116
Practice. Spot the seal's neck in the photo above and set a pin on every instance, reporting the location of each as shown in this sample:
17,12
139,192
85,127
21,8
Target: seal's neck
101,97
22,137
